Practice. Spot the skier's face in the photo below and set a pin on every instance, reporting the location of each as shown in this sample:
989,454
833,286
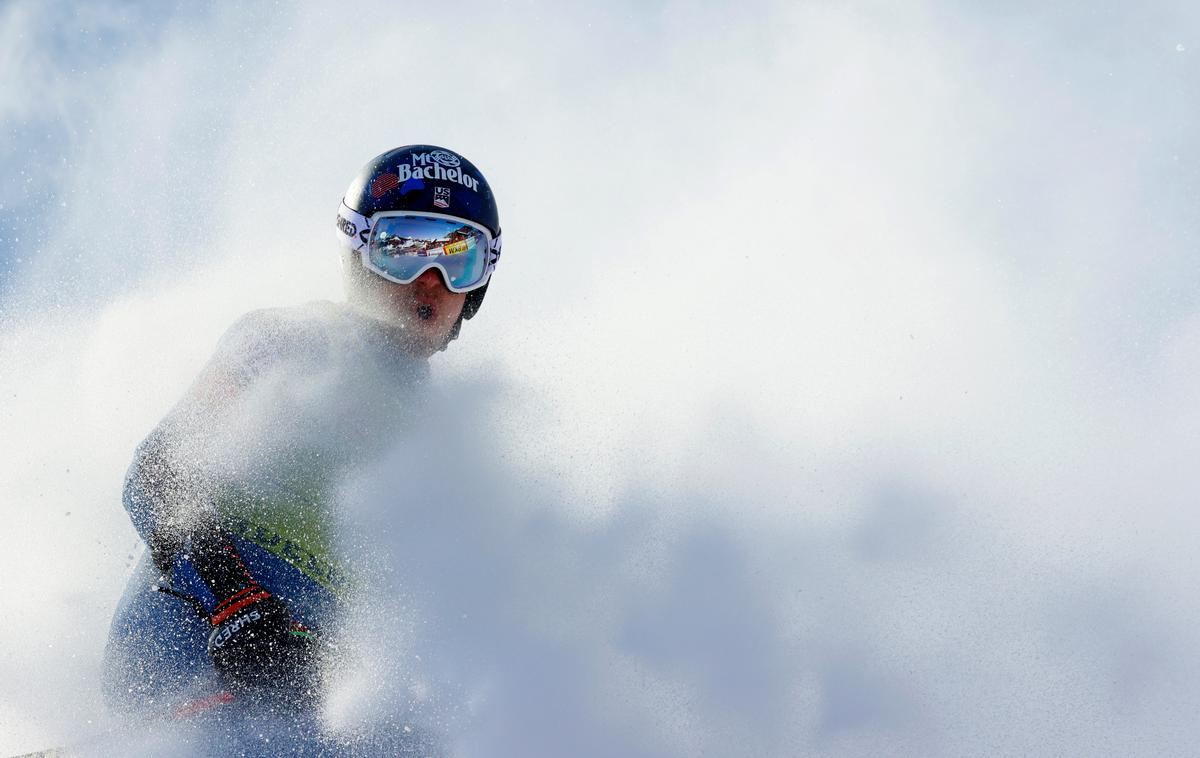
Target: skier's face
424,309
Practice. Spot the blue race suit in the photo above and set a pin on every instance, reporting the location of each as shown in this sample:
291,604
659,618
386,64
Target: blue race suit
292,401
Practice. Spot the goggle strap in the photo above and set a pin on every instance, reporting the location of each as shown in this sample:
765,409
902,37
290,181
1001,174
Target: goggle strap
353,227
495,250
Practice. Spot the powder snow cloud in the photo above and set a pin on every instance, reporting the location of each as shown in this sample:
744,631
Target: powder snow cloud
836,387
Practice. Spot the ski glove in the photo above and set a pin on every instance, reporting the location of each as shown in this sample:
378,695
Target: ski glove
255,644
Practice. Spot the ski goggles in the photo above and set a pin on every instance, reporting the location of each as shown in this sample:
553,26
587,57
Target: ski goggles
402,245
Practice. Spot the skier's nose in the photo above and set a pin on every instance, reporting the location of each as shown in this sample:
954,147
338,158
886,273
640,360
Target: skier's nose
431,278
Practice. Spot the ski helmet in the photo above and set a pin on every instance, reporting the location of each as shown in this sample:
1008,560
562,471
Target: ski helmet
446,193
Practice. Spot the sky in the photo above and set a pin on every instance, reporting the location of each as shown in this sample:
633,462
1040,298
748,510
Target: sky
912,474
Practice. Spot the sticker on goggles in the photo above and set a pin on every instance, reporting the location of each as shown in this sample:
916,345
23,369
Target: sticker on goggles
403,246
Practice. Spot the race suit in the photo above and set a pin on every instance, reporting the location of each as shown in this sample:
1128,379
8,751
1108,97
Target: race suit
292,401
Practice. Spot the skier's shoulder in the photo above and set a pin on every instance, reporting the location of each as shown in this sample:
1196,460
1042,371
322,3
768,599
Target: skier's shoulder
267,335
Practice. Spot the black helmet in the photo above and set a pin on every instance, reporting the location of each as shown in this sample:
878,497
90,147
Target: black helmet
431,181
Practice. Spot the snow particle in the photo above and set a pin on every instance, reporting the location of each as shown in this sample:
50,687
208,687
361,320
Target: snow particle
1180,48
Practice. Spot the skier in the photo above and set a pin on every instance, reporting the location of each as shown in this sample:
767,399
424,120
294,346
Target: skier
233,491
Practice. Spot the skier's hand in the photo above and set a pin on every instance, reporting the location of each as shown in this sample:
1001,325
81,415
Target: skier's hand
255,644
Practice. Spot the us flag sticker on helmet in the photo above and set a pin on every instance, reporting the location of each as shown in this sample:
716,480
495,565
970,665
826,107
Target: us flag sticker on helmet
383,184
441,197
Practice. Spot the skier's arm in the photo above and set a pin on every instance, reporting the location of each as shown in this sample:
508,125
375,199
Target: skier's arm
170,493
170,488
171,484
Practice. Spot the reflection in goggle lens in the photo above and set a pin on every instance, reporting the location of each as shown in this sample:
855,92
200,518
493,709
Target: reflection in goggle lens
403,247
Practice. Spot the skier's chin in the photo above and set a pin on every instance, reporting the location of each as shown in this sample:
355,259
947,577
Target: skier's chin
423,336
410,338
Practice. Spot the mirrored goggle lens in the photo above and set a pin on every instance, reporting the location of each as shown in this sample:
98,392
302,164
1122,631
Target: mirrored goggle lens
402,247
